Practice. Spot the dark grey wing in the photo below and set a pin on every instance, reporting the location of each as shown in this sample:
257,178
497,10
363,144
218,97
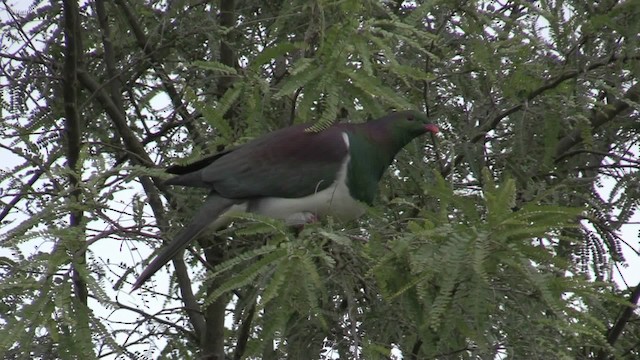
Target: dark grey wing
197,165
287,163
190,174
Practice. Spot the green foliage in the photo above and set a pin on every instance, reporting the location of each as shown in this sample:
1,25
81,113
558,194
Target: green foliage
498,238
449,273
215,66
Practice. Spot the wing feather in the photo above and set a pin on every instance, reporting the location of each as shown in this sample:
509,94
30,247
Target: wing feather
287,163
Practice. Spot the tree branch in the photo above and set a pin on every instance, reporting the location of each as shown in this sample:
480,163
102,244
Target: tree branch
139,154
227,55
176,100
184,283
598,119
215,312
243,333
160,320
150,186
23,191
614,333
114,83
73,134
548,85
73,127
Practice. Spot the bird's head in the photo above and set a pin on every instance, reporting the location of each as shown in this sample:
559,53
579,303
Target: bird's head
410,124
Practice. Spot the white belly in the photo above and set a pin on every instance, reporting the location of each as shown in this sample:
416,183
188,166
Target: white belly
333,201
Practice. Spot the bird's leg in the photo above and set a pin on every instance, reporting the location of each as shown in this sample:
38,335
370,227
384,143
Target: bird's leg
311,218
299,220
359,238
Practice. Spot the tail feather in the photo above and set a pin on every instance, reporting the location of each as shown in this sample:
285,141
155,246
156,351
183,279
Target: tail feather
192,179
211,210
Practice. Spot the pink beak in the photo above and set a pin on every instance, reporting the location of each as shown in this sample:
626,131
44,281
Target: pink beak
432,128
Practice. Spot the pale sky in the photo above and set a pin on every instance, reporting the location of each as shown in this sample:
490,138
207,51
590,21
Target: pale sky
116,252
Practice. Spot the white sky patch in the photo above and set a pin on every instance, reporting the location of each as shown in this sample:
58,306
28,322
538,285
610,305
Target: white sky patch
127,253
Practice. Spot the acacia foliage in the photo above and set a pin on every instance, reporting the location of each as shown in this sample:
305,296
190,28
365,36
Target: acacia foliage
493,239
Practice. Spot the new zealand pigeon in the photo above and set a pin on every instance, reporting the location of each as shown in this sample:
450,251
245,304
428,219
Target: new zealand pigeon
294,174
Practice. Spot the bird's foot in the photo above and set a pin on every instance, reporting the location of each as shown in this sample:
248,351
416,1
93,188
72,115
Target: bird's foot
359,238
299,220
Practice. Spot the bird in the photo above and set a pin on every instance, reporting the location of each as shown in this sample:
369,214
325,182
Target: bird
293,174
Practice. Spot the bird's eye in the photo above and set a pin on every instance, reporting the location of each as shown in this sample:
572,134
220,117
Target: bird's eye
410,118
